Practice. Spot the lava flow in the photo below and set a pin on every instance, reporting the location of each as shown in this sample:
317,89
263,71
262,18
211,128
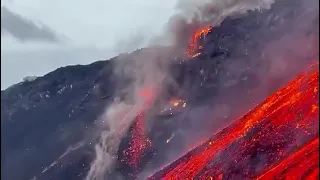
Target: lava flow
138,145
270,134
194,45
139,142
300,165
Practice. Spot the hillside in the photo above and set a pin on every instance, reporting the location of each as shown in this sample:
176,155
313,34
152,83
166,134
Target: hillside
238,67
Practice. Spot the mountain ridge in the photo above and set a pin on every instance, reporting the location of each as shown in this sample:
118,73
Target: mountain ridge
63,106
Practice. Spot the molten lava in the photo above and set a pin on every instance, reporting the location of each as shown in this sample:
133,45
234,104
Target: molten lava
178,103
175,105
302,164
195,46
139,140
268,135
138,144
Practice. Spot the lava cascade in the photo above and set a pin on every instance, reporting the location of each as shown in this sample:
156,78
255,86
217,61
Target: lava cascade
139,142
269,134
195,45
138,145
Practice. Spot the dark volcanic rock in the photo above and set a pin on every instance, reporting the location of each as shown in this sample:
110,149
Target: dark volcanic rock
42,119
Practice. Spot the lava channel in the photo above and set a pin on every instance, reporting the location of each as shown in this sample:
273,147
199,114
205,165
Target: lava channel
195,46
270,134
138,145
139,142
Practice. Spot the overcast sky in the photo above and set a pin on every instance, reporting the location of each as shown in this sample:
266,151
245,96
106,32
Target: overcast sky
38,36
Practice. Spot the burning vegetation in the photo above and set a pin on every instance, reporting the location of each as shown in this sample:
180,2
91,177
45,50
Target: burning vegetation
273,140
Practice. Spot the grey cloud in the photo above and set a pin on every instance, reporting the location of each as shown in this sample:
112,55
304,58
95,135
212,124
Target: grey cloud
24,29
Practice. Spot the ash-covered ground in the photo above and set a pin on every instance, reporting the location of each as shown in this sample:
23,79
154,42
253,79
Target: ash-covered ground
51,126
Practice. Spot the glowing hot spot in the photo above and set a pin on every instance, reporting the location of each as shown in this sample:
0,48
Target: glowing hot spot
266,135
195,46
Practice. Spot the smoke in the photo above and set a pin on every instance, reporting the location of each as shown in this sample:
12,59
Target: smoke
213,11
193,15
146,80
142,76
114,123
271,56
147,70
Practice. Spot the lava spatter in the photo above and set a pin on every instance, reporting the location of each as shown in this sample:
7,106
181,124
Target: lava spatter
139,142
174,106
138,145
268,134
195,46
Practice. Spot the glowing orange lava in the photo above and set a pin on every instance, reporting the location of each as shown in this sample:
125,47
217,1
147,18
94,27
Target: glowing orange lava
299,165
263,137
138,144
139,140
194,45
178,102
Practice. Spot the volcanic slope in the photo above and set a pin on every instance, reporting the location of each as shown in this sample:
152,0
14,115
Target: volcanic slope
282,131
43,121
